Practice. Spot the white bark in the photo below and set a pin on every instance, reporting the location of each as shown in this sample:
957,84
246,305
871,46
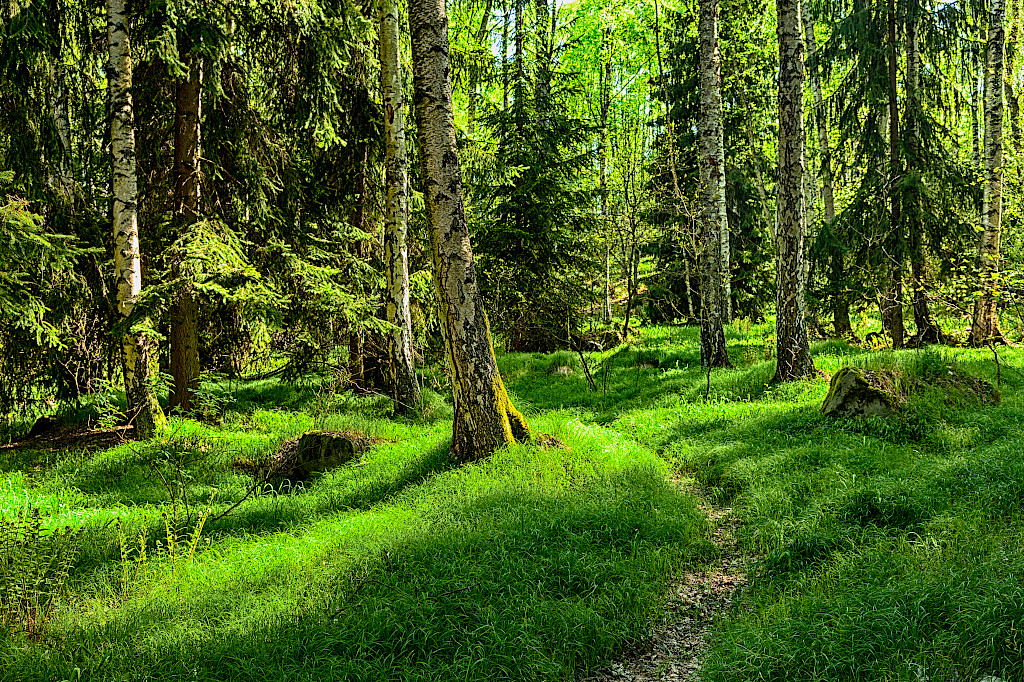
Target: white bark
141,403
714,221
485,418
402,371
793,358
985,326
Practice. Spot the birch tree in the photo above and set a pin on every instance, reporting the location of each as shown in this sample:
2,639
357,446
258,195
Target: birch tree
928,330
714,256
143,410
985,324
485,418
793,356
401,369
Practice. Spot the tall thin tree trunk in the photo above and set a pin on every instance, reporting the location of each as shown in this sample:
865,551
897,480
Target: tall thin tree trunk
978,71
485,418
928,330
714,304
762,194
402,371
985,325
479,46
825,155
60,101
143,409
892,298
793,355
504,55
1010,81
184,312
605,103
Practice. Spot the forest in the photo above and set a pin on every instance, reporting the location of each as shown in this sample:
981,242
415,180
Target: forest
506,340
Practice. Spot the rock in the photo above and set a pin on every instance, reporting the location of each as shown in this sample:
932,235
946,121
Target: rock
850,395
312,453
42,425
990,678
563,370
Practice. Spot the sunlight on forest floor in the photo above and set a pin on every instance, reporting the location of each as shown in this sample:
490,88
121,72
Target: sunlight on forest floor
887,547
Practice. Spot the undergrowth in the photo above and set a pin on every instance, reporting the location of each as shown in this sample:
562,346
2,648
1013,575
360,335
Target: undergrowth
879,548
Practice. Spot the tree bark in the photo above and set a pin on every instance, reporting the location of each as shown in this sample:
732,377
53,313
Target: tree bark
59,103
714,222
928,330
184,307
605,102
402,371
143,409
474,68
892,298
793,356
825,168
485,418
1009,81
985,325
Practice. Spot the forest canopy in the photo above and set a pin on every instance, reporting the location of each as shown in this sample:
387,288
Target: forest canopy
648,160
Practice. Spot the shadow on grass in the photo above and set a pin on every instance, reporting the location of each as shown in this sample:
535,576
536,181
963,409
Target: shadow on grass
510,584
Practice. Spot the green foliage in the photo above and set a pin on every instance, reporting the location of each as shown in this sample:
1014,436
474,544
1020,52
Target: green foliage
876,545
34,565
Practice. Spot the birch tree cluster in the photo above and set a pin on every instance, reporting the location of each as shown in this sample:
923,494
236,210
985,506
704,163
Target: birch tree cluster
242,188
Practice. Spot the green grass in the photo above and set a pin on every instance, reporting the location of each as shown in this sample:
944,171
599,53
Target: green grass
878,548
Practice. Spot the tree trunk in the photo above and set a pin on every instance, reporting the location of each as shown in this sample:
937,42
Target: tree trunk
714,222
825,167
59,104
892,298
975,119
184,307
143,409
928,330
1010,79
985,325
504,56
485,418
474,68
762,194
793,355
402,371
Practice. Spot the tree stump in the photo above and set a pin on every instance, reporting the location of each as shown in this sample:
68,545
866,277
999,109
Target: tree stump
850,395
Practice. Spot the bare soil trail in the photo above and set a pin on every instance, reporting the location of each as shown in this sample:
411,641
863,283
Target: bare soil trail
675,649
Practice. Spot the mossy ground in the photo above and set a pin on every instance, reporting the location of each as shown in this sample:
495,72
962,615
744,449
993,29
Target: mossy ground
883,547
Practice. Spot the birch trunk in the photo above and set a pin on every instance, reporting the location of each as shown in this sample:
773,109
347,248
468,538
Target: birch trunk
605,95
184,307
402,371
714,251
975,124
143,410
928,330
1010,80
793,356
985,325
485,418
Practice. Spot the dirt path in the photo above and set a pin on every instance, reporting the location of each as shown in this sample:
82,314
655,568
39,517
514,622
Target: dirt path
674,651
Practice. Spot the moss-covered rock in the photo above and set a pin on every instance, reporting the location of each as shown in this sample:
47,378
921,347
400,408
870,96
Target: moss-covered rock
850,395
312,453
